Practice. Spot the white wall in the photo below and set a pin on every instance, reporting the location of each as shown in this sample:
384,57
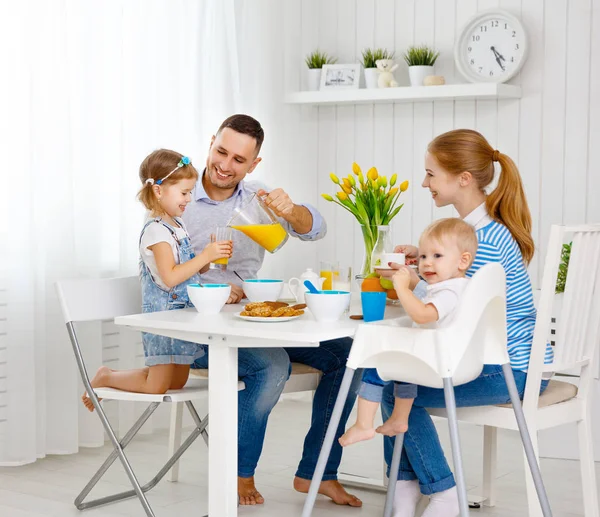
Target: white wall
550,132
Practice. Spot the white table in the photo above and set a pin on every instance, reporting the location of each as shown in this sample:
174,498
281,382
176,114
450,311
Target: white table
225,333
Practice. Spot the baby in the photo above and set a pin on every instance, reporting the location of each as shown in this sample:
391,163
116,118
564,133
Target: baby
447,249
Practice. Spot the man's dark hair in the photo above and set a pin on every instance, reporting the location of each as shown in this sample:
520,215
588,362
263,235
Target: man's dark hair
246,125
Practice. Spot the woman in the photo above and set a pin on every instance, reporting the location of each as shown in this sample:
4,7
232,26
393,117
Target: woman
459,165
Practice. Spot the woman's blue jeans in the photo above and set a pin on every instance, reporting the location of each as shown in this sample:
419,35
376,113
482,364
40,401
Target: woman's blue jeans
264,372
422,454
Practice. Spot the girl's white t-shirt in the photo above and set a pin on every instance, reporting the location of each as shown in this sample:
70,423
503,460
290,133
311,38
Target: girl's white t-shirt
154,233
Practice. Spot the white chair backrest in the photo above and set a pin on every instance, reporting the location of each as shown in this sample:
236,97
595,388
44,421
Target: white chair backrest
476,336
102,299
578,332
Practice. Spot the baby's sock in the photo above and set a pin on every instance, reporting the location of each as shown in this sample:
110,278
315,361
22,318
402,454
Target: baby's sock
443,504
406,497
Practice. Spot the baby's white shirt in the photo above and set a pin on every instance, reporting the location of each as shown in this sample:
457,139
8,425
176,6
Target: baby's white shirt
445,296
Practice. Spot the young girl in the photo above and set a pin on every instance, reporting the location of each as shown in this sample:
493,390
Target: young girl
447,248
459,168
167,265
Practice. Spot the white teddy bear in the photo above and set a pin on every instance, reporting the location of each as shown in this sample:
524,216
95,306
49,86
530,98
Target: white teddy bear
385,67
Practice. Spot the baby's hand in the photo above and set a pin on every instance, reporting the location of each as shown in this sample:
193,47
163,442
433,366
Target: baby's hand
218,250
401,279
410,252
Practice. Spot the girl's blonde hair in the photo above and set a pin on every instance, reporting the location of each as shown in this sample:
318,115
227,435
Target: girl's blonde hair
156,166
467,150
456,230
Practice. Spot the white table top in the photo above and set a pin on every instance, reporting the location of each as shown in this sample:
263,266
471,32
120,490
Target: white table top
304,329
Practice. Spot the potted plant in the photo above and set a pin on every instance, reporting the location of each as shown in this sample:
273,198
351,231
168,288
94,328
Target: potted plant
371,199
561,280
315,61
420,60
369,63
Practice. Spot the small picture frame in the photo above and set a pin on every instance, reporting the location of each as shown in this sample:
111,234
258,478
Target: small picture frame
340,77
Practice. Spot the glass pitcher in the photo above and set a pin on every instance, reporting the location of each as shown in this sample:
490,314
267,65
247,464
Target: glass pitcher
382,245
257,221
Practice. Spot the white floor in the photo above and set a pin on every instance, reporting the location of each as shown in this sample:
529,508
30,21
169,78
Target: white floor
48,487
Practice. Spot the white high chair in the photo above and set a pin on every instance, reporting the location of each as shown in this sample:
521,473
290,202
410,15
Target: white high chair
438,358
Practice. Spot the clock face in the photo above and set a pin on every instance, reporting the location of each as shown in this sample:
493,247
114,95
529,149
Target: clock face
492,48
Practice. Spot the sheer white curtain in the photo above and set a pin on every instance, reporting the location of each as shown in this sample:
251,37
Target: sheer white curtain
90,90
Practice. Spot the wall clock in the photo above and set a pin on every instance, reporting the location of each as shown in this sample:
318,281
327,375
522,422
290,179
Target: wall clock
491,47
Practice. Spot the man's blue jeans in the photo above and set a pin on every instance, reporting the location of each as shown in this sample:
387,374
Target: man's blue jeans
264,372
422,455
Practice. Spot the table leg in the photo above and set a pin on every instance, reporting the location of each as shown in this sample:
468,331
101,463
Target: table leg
222,448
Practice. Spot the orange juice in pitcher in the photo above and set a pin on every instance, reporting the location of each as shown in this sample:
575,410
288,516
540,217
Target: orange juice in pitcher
269,236
256,220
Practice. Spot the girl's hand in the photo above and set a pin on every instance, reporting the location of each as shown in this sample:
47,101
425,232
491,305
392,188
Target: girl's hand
218,250
410,252
402,279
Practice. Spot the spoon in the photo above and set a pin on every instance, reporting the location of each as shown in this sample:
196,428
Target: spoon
236,274
311,287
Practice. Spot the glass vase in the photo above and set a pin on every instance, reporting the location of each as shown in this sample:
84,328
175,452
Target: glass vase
370,238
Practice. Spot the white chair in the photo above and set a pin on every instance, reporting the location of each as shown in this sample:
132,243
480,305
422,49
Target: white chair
576,343
93,300
302,378
439,358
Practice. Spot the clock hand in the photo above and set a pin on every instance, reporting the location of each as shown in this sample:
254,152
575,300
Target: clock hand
499,57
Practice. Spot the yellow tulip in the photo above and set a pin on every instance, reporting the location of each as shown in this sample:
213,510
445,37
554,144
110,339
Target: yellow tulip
327,197
334,178
351,180
346,189
404,186
393,180
346,182
382,181
342,196
356,169
392,192
361,178
374,184
372,174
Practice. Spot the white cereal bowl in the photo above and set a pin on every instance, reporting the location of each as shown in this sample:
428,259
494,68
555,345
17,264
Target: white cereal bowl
262,290
327,306
210,298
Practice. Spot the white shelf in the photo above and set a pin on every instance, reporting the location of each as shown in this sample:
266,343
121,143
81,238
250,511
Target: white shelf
457,92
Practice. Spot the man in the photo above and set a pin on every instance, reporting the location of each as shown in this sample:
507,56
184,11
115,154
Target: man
233,154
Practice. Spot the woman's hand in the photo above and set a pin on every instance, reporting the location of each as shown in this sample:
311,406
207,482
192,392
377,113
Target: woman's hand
237,293
411,253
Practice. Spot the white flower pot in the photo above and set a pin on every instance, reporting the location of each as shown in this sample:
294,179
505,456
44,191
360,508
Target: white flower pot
418,73
371,77
313,79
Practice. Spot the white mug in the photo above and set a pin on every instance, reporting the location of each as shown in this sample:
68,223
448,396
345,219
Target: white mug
297,287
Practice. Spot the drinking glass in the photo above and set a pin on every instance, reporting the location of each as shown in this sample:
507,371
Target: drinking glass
326,271
222,233
342,278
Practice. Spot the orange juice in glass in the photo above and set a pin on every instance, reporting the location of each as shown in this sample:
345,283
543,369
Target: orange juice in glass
327,271
222,233
256,220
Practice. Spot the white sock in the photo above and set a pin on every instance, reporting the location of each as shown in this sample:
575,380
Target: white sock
443,504
406,497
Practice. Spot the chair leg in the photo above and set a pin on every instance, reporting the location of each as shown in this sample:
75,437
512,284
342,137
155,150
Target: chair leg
588,472
328,442
389,498
530,451
175,438
456,452
490,453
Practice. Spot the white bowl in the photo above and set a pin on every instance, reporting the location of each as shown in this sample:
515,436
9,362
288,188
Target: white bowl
262,290
328,305
210,298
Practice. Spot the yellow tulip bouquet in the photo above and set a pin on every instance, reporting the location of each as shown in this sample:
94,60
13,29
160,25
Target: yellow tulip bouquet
371,199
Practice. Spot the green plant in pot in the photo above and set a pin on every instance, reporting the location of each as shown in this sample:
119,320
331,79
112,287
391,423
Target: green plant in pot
563,268
370,56
315,61
420,60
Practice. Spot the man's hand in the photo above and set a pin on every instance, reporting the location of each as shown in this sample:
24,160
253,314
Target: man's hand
278,201
237,293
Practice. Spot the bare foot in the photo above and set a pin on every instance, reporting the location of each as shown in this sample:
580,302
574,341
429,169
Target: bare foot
97,382
392,427
356,434
247,492
331,489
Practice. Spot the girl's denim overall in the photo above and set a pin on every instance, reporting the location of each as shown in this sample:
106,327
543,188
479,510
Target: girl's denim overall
162,349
